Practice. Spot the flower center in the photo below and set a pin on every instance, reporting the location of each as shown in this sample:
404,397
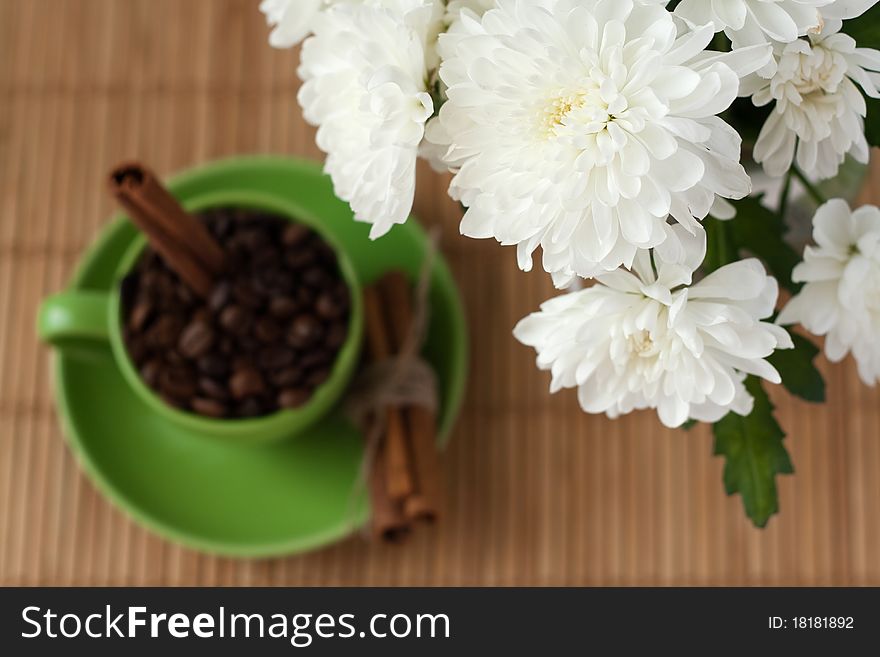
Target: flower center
816,73
584,111
553,115
642,344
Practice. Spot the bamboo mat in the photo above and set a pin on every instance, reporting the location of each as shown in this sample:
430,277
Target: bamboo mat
538,492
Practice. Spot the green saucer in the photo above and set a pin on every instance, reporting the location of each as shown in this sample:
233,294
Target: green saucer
230,499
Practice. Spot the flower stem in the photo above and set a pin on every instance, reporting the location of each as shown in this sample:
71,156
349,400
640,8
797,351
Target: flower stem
653,263
812,190
783,199
719,250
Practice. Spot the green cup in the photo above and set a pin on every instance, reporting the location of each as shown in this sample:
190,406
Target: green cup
78,316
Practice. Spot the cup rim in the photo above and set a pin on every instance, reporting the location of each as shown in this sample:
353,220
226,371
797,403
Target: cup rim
323,397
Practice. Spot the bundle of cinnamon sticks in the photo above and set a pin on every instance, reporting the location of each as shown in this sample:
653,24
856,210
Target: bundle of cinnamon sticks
404,477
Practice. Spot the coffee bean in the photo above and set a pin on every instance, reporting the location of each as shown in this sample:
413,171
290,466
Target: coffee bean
325,252
241,216
293,397
341,292
185,295
295,234
137,348
235,319
267,330
283,307
284,283
220,296
246,382
272,282
314,276
303,332
220,223
246,294
305,296
274,358
316,378
177,382
140,314
335,336
314,358
213,365
164,332
299,259
174,402
237,256
253,238
213,388
250,407
164,294
202,314
150,372
196,339
267,256
208,407
328,307
248,343
287,377
241,362
149,280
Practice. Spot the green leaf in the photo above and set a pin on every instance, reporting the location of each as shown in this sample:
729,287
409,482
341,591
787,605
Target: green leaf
754,455
760,232
799,375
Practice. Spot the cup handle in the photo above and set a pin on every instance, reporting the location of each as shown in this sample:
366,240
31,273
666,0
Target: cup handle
78,316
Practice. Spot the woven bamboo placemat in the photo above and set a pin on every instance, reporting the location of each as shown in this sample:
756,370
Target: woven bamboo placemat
538,492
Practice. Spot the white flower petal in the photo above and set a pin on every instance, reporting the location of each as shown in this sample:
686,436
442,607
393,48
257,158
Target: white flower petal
841,297
749,22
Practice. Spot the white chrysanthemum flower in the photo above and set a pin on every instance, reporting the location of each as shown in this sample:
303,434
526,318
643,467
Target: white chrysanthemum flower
841,298
365,86
747,22
819,111
580,126
292,19
639,340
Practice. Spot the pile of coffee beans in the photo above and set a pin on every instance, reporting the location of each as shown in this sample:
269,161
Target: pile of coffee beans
266,337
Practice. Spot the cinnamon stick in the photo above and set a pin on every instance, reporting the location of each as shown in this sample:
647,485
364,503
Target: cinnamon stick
390,480
388,522
399,476
425,505
421,424
182,241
